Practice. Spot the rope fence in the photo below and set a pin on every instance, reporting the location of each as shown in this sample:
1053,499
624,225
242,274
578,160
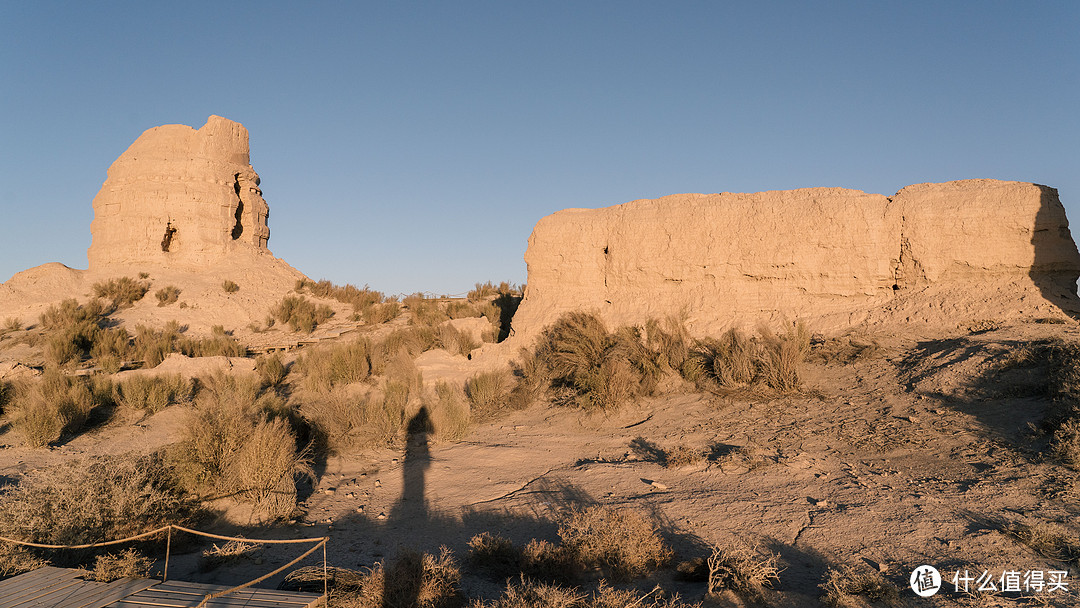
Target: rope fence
320,542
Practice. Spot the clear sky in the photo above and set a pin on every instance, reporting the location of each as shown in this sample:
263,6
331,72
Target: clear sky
413,145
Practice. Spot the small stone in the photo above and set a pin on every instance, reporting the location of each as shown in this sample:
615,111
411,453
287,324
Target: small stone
381,516
658,485
329,490
821,503
378,484
360,509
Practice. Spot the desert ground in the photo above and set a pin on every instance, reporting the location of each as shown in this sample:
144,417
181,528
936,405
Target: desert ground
894,451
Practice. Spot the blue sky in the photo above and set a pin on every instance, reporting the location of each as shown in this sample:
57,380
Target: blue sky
413,145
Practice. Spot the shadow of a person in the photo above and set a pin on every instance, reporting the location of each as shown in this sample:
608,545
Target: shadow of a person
401,585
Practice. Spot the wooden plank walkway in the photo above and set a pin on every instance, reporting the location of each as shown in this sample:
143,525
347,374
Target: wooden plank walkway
51,587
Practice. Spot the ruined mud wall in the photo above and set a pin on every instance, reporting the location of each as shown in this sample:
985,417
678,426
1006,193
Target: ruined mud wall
180,197
827,255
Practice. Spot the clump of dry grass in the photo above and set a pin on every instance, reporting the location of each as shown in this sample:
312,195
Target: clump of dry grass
72,330
622,541
167,295
423,311
16,560
153,345
735,359
842,586
300,314
682,455
12,324
410,580
742,569
463,310
122,291
595,369
1065,442
230,446
450,413
46,409
227,553
455,341
153,393
229,286
271,370
1048,540
531,594
489,392
374,314
127,564
344,363
86,500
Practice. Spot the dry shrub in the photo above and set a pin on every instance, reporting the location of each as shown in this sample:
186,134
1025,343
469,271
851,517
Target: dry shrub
450,413
411,580
784,357
595,368
495,555
489,392
531,594
94,499
16,560
358,297
229,286
482,291
112,347
230,446
455,341
623,541
46,409
153,393
325,367
1065,444
72,330
12,324
842,586
336,417
123,291
844,350
424,312
742,569
1048,540
271,370
681,456
413,340
153,345
299,313
6,392
736,359
670,341
374,314
463,310
167,295
228,553
128,564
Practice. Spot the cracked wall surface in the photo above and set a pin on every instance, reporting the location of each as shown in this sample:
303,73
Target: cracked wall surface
827,255
195,187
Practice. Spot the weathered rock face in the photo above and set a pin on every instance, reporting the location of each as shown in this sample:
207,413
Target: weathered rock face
180,197
827,255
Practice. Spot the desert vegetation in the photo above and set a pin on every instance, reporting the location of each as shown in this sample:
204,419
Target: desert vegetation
86,500
300,314
233,445
229,286
167,295
153,393
43,411
122,292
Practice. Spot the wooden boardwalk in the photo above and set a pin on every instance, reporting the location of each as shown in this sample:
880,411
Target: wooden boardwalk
50,587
